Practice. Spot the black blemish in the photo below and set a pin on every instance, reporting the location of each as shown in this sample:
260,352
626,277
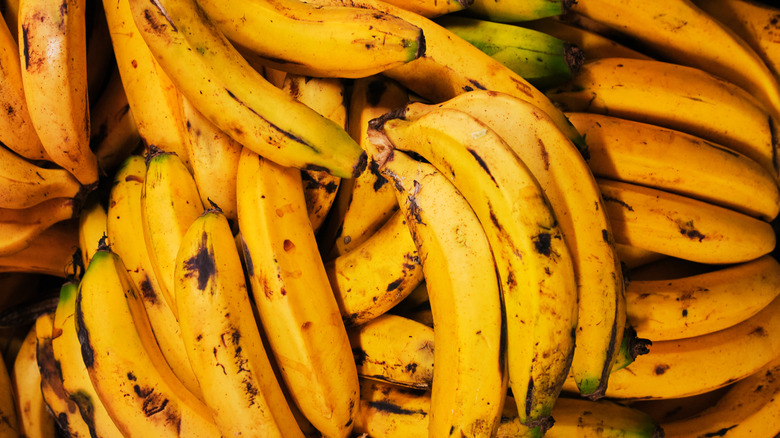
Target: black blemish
542,243
467,89
386,406
250,267
721,432
331,187
349,423
411,368
64,8
477,84
26,46
605,235
692,234
62,422
360,356
202,263
87,411
529,397
87,353
147,291
452,429
287,134
374,92
164,13
617,201
131,377
380,181
685,312
394,284
482,164
660,369
759,331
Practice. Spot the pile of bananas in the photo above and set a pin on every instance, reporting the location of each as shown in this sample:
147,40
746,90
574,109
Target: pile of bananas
272,218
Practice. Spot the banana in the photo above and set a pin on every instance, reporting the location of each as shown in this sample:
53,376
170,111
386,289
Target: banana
665,410
35,420
10,10
748,408
541,59
518,11
394,349
673,96
23,184
325,42
295,301
170,203
533,263
222,85
633,257
683,227
127,369
365,202
327,97
64,410
221,336
374,277
75,377
16,128
753,21
685,34
432,8
674,368
213,157
574,197
452,66
594,45
55,82
114,132
125,219
704,303
389,411
21,226
92,226
50,253
674,161
9,422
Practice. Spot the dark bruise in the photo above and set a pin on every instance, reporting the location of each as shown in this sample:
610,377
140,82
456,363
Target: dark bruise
64,9
394,284
543,243
392,408
147,291
721,432
287,134
202,263
87,353
51,373
63,424
759,331
155,25
691,232
380,181
153,403
361,164
605,236
26,45
482,164
331,187
87,411
660,369
529,397
477,85
617,201
359,355
414,206
374,91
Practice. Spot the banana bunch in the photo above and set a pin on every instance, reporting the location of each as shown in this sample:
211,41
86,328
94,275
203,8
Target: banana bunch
401,218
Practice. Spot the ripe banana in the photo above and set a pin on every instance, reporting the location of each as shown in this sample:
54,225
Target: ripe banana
518,11
55,82
170,202
452,66
574,197
125,219
365,202
21,226
24,184
673,96
753,21
683,227
92,227
293,296
127,369
50,253
748,408
325,42
432,8
64,410
9,422
16,128
75,377
690,366
222,85
35,420
633,257
540,58
704,303
683,33
532,260
221,336
674,161
213,157
375,276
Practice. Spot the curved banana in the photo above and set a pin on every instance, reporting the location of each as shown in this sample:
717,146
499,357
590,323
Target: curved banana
365,202
9,421
674,96
223,86
533,263
575,199
375,276
21,226
294,299
674,161
55,82
540,58
24,184
64,410
75,377
50,253
35,420
685,34
125,218
127,369
683,227
518,11
704,303
213,157
432,8
221,336
690,366
92,227
452,66
170,203
751,407
303,39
